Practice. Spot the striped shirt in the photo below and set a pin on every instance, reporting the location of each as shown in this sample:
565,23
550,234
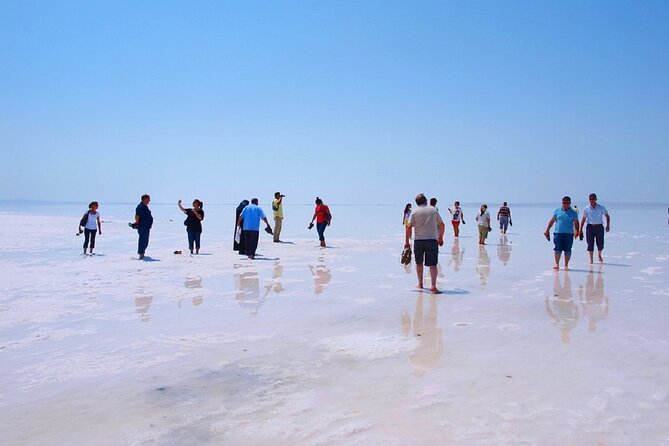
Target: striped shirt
504,211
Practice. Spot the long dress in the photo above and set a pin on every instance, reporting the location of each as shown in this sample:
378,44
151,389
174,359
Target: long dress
241,245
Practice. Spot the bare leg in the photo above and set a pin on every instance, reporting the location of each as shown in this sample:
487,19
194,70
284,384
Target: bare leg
433,276
590,253
557,260
566,262
599,254
419,273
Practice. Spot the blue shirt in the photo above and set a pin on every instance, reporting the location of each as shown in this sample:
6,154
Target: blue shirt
145,218
595,216
564,220
252,214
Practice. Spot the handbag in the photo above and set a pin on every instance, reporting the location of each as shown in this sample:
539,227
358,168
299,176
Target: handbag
405,258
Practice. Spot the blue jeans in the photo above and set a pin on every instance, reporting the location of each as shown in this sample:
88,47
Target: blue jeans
503,223
143,242
320,227
193,239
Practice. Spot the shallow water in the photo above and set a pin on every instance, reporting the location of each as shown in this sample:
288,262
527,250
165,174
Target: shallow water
335,346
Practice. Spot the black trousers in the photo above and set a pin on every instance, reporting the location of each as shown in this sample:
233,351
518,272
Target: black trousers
89,235
251,242
594,233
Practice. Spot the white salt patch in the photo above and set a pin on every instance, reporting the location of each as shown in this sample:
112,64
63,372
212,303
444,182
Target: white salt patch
368,346
508,327
651,270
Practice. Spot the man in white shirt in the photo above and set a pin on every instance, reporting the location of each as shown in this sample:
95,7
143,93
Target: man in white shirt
428,229
593,216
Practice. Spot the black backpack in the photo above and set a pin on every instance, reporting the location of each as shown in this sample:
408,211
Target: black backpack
84,219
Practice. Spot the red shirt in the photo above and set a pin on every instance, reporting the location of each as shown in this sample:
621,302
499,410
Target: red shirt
322,213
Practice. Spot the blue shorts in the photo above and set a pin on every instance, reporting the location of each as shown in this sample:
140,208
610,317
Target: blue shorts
563,242
426,250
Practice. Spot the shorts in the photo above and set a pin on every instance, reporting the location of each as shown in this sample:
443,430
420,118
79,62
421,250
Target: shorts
483,232
456,223
563,243
594,233
428,249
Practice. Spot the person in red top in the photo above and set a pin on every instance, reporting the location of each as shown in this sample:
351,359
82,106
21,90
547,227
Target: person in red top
323,217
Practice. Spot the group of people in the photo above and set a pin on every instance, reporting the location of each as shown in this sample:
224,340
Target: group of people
427,228
247,224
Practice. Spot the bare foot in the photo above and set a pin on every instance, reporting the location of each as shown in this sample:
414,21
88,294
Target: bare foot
556,267
434,290
601,260
419,286
566,267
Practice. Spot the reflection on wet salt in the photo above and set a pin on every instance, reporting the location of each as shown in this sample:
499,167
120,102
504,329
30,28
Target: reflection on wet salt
275,284
561,307
193,282
456,255
322,276
143,304
426,355
503,249
483,266
247,291
594,303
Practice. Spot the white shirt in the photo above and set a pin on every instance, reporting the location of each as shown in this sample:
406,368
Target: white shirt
92,222
595,216
483,219
425,221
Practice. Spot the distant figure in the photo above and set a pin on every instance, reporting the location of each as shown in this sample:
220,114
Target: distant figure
92,225
277,211
456,217
433,203
249,219
483,222
566,230
194,217
428,237
593,219
144,222
406,214
504,217
323,218
241,245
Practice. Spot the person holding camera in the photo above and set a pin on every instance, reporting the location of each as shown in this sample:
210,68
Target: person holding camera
277,211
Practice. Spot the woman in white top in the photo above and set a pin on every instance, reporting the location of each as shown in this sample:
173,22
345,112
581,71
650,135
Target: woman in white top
92,226
483,221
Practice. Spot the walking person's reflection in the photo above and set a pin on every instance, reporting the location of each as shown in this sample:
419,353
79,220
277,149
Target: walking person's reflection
483,265
430,349
143,304
456,255
275,284
322,276
595,304
561,307
247,290
503,249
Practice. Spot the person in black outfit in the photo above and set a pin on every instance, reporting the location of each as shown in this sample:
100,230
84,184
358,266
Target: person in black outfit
193,222
241,246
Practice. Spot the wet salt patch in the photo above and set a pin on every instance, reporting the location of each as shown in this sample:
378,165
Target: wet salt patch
348,269
365,301
651,270
211,339
508,327
368,346
662,258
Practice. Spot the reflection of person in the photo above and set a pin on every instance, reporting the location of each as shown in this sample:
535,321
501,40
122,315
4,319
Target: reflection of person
250,217
194,217
92,225
504,217
483,266
456,217
566,230
277,273
241,246
322,277
277,212
456,255
561,307
430,349
247,291
503,249
323,218
483,223
144,222
595,304
593,217
428,229
143,304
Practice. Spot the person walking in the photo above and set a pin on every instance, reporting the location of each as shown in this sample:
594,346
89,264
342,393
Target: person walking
456,217
277,211
144,222
593,219
323,219
428,231
250,217
504,217
483,223
433,203
193,222
566,230
92,226
239,244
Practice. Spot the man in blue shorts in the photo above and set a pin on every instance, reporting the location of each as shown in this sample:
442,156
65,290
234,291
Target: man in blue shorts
566,230
428,237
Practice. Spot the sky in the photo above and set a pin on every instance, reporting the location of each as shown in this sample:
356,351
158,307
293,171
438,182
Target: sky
355,101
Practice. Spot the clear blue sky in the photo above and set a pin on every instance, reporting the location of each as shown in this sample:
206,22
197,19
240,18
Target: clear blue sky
356,101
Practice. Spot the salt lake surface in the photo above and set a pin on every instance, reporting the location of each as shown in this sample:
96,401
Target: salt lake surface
310,346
